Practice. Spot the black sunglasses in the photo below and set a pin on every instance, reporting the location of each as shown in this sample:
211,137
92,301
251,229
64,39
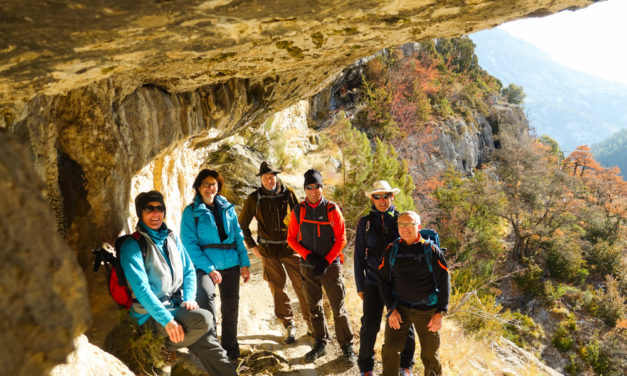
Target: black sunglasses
313,186
383,195
150,208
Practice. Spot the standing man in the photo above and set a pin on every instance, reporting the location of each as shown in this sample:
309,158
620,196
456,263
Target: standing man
415,286
163,281
374,232
271,204
316,232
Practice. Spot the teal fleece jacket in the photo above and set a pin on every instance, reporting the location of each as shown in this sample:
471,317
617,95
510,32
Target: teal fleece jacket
143,287
205,232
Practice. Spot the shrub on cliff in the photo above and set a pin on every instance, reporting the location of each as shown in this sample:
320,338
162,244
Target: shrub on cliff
513,94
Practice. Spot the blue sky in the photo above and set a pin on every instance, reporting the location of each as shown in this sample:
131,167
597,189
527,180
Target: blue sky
591,40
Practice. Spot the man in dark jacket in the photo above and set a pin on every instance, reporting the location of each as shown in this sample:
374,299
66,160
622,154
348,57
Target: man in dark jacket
374,232
271,204
415,286
316,232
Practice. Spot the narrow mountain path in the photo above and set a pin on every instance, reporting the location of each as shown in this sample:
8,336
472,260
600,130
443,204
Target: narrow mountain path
261,335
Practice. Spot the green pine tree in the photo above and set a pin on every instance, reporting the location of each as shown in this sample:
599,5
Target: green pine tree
361,168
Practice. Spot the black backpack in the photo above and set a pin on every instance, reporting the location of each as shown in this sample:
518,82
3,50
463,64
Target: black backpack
116,281
432,238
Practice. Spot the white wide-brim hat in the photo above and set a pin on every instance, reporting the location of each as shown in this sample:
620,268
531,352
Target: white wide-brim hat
381,186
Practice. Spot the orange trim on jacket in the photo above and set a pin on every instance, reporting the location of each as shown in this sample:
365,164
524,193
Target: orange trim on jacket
337,223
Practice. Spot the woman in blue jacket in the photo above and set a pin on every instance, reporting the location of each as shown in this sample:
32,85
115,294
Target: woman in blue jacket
163,282
215,242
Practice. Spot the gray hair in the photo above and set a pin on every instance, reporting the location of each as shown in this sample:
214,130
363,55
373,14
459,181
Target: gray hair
412,214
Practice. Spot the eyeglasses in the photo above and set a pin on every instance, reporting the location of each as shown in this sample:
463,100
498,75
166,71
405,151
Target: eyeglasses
150,208
204,184
384,196
312,187
407,224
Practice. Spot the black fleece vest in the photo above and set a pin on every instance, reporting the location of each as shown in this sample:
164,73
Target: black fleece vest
316,231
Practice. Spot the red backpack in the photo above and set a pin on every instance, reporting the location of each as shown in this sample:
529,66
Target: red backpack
116,281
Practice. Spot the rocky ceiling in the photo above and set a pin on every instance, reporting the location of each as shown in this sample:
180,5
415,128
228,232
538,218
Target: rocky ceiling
53,46
92,91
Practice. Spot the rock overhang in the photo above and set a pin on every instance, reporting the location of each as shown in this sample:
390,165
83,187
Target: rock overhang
52,47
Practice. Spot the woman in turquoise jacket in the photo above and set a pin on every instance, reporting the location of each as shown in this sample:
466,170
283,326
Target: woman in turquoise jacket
215,242
163,282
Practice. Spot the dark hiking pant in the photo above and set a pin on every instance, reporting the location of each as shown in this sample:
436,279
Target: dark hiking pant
370,325
275,272
229,304
333,285
395,340
200,339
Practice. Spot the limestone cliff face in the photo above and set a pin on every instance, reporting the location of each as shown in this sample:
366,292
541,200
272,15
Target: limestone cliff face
459,142
99,94
466,145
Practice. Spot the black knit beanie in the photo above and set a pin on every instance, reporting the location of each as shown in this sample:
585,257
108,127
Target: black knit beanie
144,198
313,177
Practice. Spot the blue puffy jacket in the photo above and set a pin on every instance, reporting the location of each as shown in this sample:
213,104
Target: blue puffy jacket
195,234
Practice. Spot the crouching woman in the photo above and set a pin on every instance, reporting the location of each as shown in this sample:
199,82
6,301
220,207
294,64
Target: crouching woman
163,281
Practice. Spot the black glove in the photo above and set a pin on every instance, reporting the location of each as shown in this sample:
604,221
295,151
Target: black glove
311,261
322,266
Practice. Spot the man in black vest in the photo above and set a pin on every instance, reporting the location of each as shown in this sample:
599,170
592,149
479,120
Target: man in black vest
374,232
316,232
415,286
271,205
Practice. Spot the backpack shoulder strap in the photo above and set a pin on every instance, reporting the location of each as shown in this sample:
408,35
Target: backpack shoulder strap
139,238
331,206
428,250
393,251
299,213
300,217
258,200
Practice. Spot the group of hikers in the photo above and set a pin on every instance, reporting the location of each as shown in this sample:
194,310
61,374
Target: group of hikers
174,280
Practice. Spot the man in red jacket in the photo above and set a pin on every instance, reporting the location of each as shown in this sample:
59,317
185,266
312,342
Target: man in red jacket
316,232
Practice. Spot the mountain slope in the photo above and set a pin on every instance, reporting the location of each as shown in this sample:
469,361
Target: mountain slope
612,151
573,107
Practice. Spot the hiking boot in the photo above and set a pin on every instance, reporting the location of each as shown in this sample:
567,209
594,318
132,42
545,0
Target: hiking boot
349,354
290,333
367,373
233,357
405,372
319,349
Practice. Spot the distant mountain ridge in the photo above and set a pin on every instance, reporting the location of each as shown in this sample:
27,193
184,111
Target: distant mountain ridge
572,107
613,151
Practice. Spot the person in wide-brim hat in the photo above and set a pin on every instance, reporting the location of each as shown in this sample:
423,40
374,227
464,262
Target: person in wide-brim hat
381,186
266,168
